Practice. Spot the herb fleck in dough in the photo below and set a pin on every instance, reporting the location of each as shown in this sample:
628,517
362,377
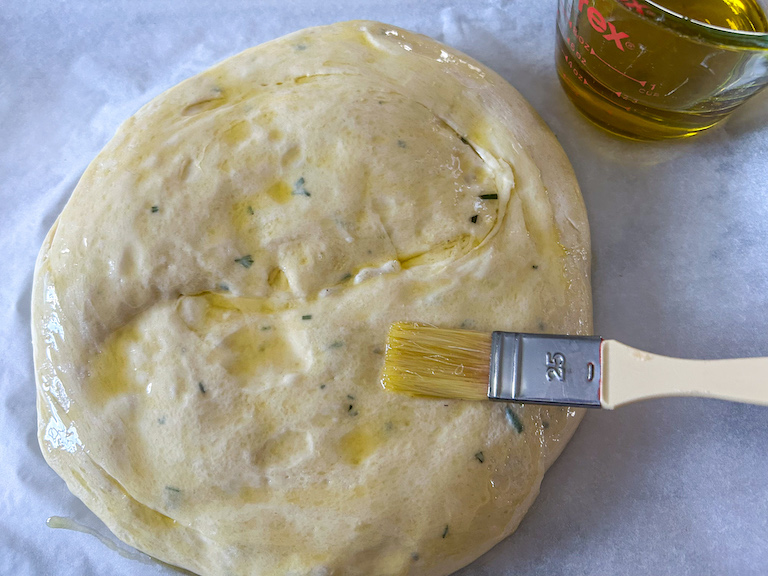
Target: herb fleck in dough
211,307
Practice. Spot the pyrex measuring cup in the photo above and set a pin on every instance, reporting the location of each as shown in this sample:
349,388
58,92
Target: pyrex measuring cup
643,70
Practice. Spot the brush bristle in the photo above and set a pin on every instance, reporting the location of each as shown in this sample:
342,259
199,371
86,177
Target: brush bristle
424,360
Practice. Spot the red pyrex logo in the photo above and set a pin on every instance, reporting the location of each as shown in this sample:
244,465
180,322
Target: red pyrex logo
598,22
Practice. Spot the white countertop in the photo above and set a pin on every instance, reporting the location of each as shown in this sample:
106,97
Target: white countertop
680,244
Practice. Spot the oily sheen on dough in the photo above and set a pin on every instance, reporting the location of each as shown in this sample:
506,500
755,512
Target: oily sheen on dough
210,309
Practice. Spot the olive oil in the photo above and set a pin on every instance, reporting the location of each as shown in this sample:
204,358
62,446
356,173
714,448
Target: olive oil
641,72
746,15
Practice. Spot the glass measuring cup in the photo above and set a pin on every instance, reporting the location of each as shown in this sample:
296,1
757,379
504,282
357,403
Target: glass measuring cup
646,71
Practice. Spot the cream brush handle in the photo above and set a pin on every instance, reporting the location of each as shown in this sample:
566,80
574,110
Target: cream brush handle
629,374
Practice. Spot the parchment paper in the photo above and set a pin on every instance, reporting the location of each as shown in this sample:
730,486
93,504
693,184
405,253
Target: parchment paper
680,241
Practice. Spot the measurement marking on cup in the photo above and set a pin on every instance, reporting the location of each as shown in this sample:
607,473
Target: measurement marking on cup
641,82
572,68
582,78
627,97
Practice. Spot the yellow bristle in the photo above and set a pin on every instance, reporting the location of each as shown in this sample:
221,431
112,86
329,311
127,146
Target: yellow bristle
424,360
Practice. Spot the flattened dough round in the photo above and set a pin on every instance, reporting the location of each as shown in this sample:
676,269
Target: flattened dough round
211,308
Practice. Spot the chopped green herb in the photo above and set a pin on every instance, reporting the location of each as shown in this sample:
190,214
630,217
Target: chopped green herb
513,420
250,210
346,277
202,388
545,424
535,266
489,196
402,144
464,140
542,326
415,556
223,287
445,532
301,47
322,386
337,344
155,209
245,261
263,328
350,396
307,317
173,495
161,421
299,189
474,219
480,457
350,408
378,351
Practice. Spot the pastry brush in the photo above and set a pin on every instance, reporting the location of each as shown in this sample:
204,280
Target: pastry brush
586,371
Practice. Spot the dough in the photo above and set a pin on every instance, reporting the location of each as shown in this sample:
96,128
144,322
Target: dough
210,309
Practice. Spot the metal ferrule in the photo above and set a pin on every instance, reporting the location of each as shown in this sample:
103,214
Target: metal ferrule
545,369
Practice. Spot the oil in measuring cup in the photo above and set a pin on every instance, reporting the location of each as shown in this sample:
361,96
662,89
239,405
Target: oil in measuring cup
669,69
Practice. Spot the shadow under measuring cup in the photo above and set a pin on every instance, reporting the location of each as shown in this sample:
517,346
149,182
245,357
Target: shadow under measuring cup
655,70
